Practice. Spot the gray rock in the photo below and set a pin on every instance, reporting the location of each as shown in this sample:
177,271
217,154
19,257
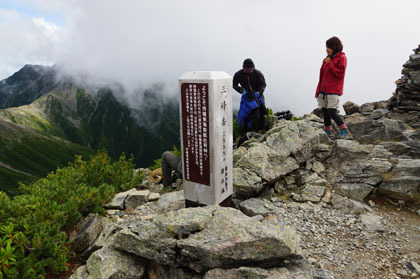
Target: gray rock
157,271
347,205
413,266
402,182
232,239
258,273
369,131
402,187
415,77
119,199
312,117
246,183
396,148
350,107
378,113
88,233
237,273
238,153
289,179
147,241
136,198
185,221
305,177
280,187
80,273
356,191
372,222
104,238
255,206
267,193
310,193
109,263
171,201
205,238
294,137
414,61
349,150
406,167
153,196
323,274
264,161
318,167
367,171
368,107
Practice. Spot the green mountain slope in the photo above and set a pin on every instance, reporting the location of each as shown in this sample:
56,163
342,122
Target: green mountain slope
89,119
26,154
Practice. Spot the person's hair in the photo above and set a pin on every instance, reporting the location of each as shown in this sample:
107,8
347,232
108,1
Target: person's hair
335,44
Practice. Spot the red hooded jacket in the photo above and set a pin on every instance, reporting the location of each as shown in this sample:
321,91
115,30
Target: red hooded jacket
331,76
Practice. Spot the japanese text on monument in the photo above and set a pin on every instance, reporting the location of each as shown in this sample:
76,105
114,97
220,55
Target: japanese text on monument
195,128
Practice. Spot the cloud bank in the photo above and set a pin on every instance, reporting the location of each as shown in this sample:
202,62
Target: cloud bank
139,43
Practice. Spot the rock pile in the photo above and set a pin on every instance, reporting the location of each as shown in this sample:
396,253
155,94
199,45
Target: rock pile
407,94
207,242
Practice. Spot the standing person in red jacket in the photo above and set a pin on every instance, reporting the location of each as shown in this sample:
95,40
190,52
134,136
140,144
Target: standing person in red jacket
330,85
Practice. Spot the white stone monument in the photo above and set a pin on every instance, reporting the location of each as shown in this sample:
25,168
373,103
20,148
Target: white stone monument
206,137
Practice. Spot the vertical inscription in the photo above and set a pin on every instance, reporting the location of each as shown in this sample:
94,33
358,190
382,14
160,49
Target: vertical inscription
195,130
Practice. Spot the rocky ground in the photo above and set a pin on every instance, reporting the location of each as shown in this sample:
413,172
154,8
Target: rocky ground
380,243
336,238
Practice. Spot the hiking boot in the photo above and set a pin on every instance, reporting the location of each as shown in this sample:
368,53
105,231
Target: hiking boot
345,134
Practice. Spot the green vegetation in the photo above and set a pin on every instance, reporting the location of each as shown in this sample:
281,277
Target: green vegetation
32,225
34,156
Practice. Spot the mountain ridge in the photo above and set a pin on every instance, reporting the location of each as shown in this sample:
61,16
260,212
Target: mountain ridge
95,118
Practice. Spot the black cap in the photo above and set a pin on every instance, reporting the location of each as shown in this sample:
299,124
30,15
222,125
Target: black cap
248,64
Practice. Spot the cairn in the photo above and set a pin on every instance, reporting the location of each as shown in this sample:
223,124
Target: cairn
407,95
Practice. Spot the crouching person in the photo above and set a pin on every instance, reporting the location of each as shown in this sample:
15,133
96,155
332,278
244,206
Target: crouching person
170,162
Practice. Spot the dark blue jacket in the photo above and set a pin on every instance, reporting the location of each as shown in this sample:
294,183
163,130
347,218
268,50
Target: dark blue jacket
246,107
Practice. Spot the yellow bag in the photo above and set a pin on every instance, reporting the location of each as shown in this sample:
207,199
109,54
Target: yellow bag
156,175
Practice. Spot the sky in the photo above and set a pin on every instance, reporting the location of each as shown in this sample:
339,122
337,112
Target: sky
139,43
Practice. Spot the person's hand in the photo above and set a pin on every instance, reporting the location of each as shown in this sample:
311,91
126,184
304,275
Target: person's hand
327,60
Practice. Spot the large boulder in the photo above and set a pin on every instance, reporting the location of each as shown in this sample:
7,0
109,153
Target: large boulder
403,181
367,130
254,206
246,183
136,198
350,107
110,263
158,271
205,238
171,201
296,269
265,162
298,138
356,191
233,239
90,228
118,202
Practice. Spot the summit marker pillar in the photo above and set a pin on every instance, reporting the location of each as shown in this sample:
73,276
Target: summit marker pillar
206,137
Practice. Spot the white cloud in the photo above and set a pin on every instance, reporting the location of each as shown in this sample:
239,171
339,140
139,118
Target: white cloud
49,29
141,42
26,41
8,14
